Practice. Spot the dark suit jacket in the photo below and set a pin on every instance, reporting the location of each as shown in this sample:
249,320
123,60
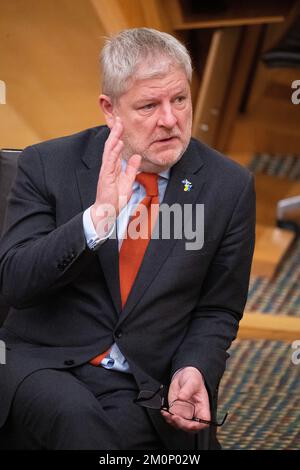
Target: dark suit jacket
184,307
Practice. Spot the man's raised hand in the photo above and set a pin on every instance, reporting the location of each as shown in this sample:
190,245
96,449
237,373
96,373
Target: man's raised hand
114,187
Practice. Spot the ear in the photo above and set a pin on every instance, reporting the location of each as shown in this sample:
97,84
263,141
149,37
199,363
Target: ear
107,107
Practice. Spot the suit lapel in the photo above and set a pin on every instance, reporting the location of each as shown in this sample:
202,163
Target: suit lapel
158,249
87,178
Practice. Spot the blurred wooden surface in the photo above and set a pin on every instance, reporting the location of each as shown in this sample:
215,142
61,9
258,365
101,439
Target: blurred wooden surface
268,326
216,77
269,190
271,121
186,15
268,120
49,62
270,248
272,243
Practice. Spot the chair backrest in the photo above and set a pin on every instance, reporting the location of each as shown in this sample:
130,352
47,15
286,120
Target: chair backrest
8,169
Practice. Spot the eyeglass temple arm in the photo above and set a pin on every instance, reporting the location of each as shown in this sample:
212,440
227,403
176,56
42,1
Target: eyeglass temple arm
212,423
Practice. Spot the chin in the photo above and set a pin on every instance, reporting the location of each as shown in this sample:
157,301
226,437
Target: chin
165,159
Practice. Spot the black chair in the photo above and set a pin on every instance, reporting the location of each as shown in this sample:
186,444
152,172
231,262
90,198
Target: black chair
8,169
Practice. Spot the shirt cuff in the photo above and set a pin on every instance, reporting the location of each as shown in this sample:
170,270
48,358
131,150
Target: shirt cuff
92,238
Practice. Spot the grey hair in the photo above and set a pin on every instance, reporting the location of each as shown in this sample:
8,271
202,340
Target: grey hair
124,53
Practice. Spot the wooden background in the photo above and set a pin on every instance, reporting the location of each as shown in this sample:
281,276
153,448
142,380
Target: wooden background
49,61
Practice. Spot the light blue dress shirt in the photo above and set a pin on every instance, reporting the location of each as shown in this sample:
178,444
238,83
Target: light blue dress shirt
115,359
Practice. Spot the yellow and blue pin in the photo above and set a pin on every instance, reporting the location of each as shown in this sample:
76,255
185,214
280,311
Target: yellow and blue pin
187,185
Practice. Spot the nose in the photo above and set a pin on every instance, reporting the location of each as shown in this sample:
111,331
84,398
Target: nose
167,117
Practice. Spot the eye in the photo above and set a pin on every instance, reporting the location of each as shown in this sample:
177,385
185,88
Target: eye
148,106
180,99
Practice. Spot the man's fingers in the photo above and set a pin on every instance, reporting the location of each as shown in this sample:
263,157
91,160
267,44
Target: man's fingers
188,386
173,391
115,153
134,162
109,165
202,410
181,389
133,165
183,424
114,136
128,177
113,146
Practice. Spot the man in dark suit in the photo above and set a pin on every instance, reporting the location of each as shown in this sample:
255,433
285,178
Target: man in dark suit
100,318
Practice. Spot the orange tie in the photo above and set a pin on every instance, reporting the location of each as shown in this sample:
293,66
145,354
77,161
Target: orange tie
133,249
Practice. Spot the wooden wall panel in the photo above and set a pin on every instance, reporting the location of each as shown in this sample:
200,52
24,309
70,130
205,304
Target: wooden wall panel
115,15
270,121
214,83
49,62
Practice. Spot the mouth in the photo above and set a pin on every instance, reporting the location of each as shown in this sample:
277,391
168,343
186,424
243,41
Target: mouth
166,140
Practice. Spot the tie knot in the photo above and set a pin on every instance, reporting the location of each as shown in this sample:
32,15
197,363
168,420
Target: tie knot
149,181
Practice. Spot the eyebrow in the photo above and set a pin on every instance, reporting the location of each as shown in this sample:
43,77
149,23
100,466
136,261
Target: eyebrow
154,98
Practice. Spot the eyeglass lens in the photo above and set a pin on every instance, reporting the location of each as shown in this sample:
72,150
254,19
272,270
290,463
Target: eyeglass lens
183,409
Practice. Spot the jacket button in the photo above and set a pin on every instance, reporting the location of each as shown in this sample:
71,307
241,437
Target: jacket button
69,362
119,334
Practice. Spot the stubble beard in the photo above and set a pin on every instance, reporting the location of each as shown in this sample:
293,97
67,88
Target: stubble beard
149,160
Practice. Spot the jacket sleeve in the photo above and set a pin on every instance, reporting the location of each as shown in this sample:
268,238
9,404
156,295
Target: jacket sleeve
215,320
36,256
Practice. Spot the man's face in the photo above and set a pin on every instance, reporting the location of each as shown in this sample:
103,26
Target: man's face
156,114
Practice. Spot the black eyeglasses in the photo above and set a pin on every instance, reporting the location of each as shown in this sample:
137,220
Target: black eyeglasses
184,409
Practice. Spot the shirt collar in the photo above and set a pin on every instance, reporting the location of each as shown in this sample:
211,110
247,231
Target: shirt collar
164,174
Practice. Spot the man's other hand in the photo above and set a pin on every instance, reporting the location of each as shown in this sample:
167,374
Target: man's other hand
188,385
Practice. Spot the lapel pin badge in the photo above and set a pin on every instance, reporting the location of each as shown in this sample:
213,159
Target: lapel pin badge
187,185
